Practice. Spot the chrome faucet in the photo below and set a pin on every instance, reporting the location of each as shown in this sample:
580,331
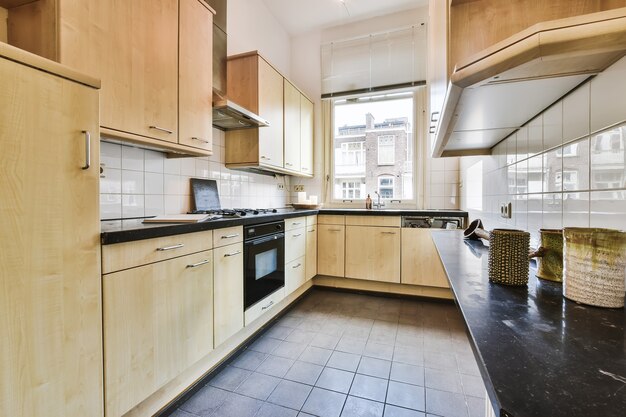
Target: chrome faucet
378,205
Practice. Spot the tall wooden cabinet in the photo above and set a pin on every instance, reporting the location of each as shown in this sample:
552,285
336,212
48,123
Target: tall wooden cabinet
292,127
306,135
50,308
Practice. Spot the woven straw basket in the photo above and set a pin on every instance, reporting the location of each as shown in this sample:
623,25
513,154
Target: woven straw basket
594,266
508,256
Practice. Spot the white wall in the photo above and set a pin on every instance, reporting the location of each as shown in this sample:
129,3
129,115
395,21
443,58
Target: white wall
252,27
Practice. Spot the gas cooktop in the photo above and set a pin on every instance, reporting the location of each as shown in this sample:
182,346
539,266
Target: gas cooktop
233,213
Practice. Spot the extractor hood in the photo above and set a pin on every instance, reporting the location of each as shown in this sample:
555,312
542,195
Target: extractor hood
227,115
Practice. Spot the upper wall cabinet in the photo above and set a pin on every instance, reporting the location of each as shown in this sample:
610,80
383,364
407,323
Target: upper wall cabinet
286,145
133,47
508,61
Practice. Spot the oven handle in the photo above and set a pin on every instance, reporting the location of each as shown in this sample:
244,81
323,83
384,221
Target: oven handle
265,239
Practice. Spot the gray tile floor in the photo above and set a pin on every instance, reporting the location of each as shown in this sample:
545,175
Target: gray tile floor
340,354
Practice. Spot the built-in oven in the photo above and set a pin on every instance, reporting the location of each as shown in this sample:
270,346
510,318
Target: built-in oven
264,257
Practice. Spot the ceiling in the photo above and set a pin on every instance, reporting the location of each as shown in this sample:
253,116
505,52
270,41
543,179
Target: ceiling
300,16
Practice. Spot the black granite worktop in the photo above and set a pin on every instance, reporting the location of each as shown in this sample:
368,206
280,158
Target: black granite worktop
119,231
540,354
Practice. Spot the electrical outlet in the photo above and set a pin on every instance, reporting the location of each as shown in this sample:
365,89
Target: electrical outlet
506,210
298,188
281,186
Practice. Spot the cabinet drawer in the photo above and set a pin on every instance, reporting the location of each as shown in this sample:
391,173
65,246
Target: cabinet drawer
227,236
264,305
295,244
228,291
295,223
311,220
331,219
295,275
382,221
142,252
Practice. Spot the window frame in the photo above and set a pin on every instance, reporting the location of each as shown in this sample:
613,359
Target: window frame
393,150
381,187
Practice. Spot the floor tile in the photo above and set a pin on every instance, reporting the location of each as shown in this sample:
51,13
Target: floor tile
238,406
335,380
230,378
345,361
369,387
443,380
409,374
265,344
360,407
467,364
393,411
378,350
408,355
406,395
301,414
445,404
205,401
324,403
290,394
315,355
249,360
275,366
181,413
325,341
374,367
306,373
301,336
440,361
473,386
289,350
350,344
272,410
258,386
475,406
279,332
292,322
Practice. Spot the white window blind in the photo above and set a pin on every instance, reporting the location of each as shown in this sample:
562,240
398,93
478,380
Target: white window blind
374,62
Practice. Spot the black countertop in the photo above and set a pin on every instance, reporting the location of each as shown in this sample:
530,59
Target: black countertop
540,355
119,231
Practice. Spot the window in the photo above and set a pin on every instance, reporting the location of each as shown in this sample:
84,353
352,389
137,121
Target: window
386,150
372,147
385,186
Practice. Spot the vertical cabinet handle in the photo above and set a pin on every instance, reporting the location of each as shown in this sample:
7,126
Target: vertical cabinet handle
87,149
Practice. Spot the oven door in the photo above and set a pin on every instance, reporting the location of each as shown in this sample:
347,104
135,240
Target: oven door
264,267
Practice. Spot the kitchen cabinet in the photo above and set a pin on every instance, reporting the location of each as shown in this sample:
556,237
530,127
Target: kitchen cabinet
438,18
373,253
133,47
295,253
331,249
158,321
263,306
292,127
295,275
421,264
295,243
311,252
195,75
306,135
228,291
50,299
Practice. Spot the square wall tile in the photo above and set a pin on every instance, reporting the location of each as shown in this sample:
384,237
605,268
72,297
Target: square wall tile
521,177
111,181
552,171
132,158
535,217
535,136
153,183
608,96
111,155
576,113
110,206
608,160
510,144
576,165
154,205
171,166
608,209
154,161
535,174
576,209
132,182
552,211
522,143
132,205
553,126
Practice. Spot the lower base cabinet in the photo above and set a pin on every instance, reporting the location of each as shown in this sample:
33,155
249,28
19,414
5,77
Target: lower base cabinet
228,291
158,321
257,310
295,275
421,264
311,252
331,249
373,253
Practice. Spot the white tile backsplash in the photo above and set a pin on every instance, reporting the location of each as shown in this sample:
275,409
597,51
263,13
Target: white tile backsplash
137,182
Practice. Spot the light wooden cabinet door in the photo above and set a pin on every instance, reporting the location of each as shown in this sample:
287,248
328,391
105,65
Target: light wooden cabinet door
132,46
421,264
330,249
158,321
295,275
292,127
50,308
306,136
438,11
195,74
271,109
311,251
228,291
373,253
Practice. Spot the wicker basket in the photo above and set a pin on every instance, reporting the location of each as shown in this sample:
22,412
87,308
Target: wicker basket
550,255
594,265
508,256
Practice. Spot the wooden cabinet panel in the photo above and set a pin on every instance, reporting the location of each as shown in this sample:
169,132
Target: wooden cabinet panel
228,291
438,74
292,127
311,220
295,244
295,223
158,321
195,75
227,236
295,275
306,136
263,306
373,253
271,109
421,264
331,219
388,221
50,300
311,251
330,249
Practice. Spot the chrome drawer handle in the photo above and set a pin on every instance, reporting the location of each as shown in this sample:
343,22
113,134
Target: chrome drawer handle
287,163
334,230
388,233
305,169
230,236
299,234
232,254
178,246
268,306
296,266
200,140
87,150
311,231
162,129
265,157
206,261
295,223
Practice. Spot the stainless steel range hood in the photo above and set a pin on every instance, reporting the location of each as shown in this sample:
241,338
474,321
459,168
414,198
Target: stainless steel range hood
227,115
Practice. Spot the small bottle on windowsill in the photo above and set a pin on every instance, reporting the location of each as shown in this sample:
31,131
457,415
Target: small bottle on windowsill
368,203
